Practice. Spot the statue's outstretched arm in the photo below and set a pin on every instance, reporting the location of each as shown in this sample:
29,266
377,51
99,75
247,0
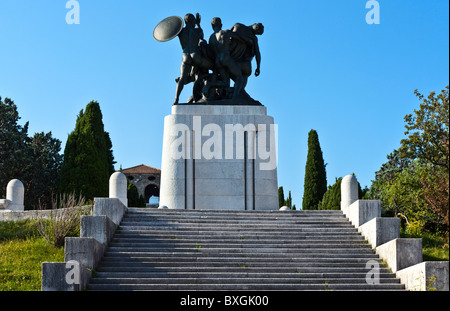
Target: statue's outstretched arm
198,19
257,56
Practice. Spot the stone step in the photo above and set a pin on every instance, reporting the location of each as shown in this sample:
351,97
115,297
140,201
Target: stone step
227,223
199,228
224,213
239,280
238,250
123,238
205,269
248,275
272,260
228,242
227,235
237,244
214,264
248,218
248,213
211,250
229,215
291,220
312,224
195,258
237,227
311,255
245,287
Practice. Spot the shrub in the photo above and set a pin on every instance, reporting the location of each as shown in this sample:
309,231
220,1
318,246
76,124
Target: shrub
332,198
64,220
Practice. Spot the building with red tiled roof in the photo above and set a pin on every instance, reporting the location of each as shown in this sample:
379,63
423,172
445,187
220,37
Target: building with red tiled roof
147,180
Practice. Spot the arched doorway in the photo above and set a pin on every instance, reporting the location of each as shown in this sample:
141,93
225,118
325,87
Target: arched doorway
152,194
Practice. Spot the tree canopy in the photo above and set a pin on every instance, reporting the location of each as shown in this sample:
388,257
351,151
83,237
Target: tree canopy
427,145
36,161
427,130
88,156
414,183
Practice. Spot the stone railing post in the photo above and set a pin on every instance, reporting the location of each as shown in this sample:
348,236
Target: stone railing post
15,193
118,187
349,192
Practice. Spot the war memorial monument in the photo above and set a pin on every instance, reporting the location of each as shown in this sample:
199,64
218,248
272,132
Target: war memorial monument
219,149
218,227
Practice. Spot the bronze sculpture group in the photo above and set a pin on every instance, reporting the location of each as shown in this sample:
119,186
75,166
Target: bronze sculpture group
212,65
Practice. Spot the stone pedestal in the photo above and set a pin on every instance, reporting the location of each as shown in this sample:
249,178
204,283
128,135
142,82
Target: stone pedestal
219,157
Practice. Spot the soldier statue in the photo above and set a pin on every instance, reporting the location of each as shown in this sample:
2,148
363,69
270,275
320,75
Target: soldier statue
211,65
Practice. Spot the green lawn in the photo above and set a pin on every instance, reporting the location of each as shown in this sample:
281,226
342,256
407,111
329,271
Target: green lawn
435,248
22,252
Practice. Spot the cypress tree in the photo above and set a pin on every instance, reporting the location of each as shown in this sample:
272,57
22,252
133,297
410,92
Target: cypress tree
281,196
134,198
288,201
315,184
88,158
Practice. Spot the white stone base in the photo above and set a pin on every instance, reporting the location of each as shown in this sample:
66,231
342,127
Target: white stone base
206,162
427,275
401,253
381,230
361,211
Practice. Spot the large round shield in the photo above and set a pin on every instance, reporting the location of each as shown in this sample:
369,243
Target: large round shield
168,29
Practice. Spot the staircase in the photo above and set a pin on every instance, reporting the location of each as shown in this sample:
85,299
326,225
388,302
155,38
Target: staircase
238,250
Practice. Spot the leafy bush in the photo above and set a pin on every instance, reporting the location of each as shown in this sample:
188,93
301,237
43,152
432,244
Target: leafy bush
134,198
332,198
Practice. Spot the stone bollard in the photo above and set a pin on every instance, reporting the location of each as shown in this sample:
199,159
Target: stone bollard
15,193
349,192
118,187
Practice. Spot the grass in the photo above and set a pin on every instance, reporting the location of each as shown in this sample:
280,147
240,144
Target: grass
18,230
22,251
435,248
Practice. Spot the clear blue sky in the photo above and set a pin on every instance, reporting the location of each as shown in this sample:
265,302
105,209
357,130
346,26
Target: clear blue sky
323,68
